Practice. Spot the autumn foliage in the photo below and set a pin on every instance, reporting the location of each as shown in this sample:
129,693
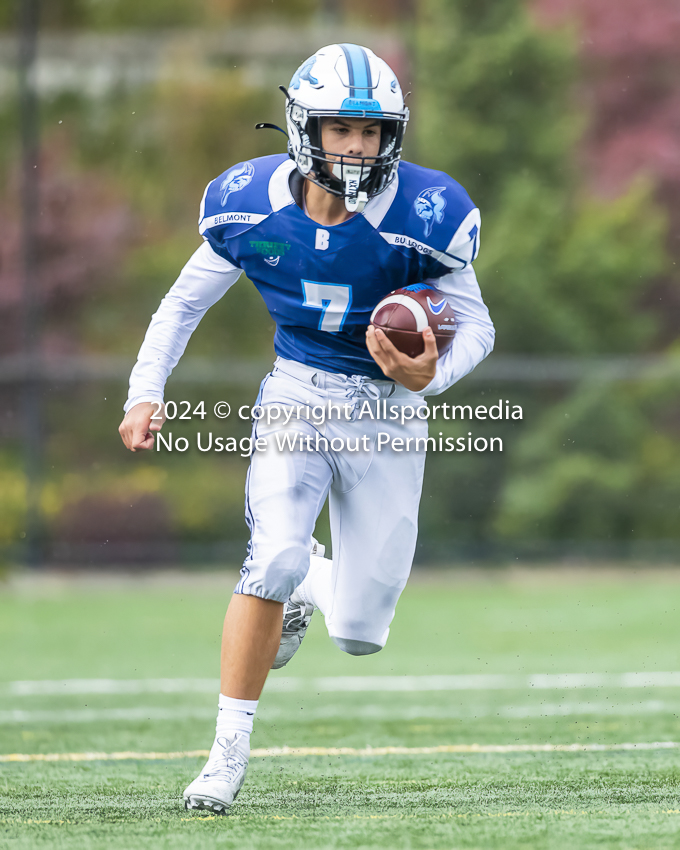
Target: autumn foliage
83,226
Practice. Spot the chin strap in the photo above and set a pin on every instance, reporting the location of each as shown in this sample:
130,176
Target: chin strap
355,201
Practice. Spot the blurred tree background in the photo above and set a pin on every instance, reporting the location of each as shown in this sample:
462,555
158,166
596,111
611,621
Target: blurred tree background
566,268
143,104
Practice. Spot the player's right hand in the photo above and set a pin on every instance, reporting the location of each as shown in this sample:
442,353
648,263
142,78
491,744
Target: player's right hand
137,427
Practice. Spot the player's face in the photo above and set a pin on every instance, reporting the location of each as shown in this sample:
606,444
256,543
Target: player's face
351,137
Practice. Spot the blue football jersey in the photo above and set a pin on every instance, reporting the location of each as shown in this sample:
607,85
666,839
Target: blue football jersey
321,284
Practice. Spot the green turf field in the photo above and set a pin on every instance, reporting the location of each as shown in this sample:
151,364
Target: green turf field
121,666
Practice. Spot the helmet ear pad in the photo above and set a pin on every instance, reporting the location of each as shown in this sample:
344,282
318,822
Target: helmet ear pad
389,132
313,128
320,167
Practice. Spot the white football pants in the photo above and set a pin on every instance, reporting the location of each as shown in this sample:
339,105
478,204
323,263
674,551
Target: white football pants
374,497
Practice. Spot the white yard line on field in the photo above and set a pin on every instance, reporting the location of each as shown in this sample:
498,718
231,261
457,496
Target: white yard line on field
482,682
94,715
352,751
55,687
376,712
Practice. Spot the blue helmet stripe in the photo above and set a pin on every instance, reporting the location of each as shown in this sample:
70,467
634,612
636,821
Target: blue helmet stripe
359,71
367,71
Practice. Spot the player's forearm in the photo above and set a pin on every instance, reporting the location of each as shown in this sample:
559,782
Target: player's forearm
163,345
475,333
470,346
201,283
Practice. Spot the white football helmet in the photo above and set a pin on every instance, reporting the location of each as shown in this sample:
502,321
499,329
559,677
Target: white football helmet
347,80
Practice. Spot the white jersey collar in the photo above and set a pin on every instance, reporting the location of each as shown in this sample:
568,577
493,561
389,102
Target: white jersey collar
377,207
280,195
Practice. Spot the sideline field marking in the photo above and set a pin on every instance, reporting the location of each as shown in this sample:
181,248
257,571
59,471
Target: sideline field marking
359,712
274,752
535,681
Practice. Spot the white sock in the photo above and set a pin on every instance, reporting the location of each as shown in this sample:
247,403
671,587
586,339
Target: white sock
316,588
235,715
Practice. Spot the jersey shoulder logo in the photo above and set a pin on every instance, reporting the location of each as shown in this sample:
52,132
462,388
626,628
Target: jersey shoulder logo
236,179
430,206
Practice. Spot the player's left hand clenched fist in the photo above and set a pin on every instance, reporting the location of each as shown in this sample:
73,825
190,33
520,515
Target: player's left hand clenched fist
139,423
415,373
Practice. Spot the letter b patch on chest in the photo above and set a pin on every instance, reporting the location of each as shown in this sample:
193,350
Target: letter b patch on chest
322,239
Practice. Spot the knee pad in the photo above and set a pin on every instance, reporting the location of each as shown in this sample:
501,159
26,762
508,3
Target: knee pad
356,647
274,572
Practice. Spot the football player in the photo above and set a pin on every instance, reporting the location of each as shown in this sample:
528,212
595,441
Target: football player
324,233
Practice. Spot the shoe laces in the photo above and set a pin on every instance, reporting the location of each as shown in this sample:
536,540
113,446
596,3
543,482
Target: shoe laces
295,617
226,764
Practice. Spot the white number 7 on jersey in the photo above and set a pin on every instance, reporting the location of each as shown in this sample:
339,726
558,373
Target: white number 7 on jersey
333,299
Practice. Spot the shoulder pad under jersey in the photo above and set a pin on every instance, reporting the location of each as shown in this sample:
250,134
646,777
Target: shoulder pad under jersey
434,216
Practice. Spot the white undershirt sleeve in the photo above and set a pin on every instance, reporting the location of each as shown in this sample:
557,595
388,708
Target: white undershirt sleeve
201,283
474,330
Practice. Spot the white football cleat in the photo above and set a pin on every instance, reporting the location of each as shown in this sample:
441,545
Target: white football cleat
297,616
217,785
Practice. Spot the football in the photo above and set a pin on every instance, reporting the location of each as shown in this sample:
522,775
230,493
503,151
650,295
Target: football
405,313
